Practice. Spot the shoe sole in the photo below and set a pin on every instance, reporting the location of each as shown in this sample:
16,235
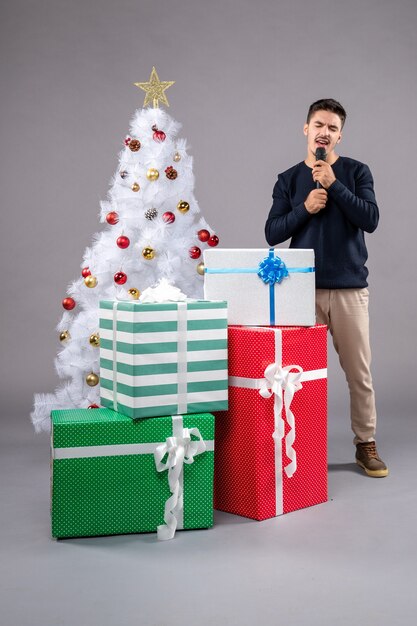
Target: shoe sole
374,473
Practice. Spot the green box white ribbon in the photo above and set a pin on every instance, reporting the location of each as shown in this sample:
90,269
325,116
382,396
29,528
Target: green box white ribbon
163,359
108,473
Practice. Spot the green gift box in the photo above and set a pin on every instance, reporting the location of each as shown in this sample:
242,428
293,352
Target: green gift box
108,473
163,358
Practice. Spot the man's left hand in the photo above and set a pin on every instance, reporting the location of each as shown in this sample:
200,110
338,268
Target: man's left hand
323,173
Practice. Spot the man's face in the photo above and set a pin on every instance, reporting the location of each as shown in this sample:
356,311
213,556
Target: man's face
324,130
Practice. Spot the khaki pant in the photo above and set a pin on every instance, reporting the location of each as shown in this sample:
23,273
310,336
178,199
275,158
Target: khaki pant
345,311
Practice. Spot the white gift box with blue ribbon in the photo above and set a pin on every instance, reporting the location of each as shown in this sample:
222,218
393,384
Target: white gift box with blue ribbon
263,287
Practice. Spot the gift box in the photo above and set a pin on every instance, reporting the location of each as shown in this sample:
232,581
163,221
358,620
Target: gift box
165,358
261,286
271,444
113,475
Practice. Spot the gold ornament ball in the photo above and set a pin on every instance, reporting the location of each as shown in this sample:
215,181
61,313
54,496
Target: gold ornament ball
200,268
183,206
148,253
90,281
135,187
134,293
64,336
95,340
177,157
92,379
152,174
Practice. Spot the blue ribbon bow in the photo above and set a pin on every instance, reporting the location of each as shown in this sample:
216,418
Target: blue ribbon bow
272,269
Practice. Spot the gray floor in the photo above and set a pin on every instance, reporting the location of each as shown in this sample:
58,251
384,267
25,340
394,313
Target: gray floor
349,561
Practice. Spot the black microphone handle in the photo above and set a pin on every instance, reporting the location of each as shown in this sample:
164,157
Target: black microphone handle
320,156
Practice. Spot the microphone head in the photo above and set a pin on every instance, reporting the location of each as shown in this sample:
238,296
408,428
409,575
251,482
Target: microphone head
321,154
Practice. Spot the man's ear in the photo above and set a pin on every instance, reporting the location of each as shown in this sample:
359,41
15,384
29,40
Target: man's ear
340,138
305,129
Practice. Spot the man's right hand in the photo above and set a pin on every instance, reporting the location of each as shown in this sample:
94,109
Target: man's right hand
316,200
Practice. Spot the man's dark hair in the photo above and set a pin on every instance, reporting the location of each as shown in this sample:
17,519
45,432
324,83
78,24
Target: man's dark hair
327,104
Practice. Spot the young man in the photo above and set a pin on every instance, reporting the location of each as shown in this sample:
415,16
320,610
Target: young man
327,204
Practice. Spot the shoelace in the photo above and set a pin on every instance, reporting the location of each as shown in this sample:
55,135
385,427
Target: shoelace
370,450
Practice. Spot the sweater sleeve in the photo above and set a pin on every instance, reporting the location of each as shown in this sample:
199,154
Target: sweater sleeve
360,208
283,220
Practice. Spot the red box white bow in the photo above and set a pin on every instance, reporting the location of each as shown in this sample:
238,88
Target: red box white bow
271,445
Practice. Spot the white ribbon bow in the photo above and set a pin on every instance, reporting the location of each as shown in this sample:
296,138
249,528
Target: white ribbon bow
278,379
162,292
179,450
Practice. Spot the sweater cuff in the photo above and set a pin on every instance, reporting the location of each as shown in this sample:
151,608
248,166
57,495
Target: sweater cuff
301,213
336,188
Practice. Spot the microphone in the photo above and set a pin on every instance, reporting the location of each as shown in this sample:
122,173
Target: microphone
320,156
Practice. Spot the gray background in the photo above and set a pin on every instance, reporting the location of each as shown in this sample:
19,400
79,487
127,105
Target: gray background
245,75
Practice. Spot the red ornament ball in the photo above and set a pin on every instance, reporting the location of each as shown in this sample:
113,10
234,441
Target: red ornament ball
158,135
213,241
123,241
94,406
168,217
203,235
85,272
112,218
120,278
68,304
194,252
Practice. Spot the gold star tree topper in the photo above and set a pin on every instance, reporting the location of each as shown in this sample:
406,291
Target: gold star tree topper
155,90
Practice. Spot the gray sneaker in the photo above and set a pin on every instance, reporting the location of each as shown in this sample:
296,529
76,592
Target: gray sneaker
367,457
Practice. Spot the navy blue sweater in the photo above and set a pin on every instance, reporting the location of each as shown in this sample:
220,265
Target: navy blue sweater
337,232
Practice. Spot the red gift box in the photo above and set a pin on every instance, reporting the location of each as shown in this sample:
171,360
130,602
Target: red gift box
271,445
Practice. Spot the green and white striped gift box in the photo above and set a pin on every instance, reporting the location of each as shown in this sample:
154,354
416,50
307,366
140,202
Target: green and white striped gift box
165,358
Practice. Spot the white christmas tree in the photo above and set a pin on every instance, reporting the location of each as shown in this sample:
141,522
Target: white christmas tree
153,230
